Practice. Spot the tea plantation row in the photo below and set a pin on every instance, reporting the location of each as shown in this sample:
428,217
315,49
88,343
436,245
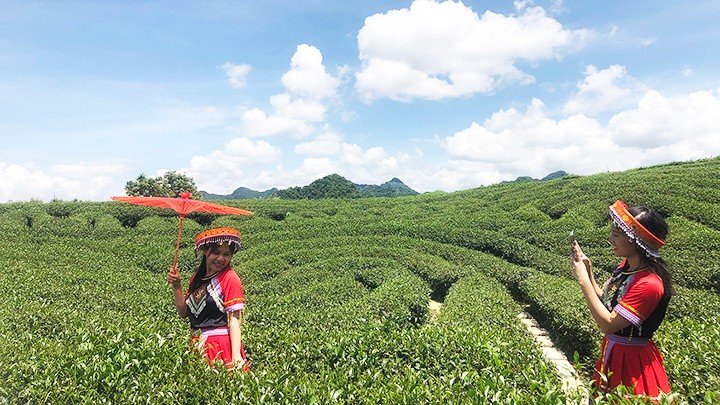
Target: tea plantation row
87,324
337,295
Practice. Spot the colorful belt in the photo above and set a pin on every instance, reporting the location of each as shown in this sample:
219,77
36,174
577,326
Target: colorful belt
613,340
220,331
623,340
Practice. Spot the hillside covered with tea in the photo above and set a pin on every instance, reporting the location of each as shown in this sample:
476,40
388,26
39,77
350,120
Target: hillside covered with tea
337,294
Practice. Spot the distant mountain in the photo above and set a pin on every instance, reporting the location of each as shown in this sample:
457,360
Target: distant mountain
556,175
241,193
331,186
392,188
525,179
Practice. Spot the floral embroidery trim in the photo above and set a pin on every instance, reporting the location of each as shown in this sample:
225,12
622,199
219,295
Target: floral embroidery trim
629,313
234,305
216,293
234,301
196,301
219,236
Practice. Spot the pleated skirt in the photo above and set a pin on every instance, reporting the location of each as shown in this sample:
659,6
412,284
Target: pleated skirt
637,365
217,348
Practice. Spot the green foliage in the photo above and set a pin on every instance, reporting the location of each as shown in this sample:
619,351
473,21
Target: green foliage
337,295
241,193
392,188
687,239
691,349
170,184
559,305
331,186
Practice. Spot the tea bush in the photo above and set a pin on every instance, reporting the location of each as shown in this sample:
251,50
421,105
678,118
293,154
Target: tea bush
337,294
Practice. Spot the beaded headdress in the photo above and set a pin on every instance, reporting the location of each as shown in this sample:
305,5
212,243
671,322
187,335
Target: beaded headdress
635,230
221,236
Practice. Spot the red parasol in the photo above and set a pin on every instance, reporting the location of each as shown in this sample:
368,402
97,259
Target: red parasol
183,206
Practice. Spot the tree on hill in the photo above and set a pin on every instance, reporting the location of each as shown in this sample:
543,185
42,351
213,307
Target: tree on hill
527,179
292,193
555,175
392,188
332,186
171,184
241,193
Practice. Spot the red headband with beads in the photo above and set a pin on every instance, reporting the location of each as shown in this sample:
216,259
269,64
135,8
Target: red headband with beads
219,236
634,229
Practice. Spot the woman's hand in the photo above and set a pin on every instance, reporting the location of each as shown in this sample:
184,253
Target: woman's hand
238,364
173,278
580,264
234,319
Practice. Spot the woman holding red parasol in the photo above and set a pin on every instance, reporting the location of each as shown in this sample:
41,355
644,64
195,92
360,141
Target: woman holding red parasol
213,301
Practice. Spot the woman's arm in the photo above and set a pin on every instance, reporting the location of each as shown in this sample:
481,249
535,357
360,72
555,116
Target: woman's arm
609,322
580,255
234,321
591,276
173,279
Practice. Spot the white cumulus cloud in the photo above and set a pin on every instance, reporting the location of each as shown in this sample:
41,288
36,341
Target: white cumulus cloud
436,50
222,171
660,129
298,111
257,123
610,89
236,74
298,108
80,181
354,155
307,77
691,120
315,168
327,143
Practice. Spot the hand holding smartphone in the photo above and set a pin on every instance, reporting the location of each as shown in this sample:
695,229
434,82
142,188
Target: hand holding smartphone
572,245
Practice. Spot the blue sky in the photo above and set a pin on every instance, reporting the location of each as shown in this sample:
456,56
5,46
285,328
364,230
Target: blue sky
443,95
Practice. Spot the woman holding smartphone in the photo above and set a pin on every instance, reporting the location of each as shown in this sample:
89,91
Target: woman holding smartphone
632,303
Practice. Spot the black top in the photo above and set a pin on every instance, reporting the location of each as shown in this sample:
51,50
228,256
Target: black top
206,309
616,289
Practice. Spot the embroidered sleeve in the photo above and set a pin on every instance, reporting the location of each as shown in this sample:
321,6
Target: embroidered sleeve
641,299
232,293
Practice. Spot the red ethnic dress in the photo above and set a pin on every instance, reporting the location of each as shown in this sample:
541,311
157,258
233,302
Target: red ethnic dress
208,307
629,357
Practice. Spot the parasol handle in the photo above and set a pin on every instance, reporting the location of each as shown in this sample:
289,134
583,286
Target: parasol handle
177,245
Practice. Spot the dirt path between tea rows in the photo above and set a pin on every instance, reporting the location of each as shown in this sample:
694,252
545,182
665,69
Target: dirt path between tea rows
571,382
433,310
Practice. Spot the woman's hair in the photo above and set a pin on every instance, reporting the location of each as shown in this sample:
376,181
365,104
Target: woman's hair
201,270
655,223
